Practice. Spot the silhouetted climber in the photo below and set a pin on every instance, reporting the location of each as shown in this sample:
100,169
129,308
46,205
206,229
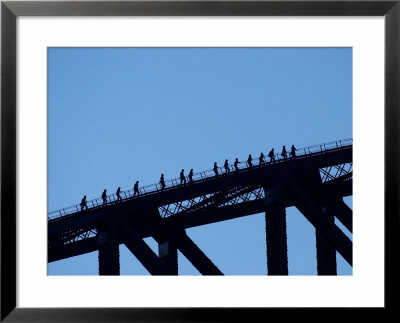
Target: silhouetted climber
249,161
271,155
236,165
182,177
119,194
136,189
284,153
191,176
226,166
261,159
162,183
215,169
293,152
84,203
104,197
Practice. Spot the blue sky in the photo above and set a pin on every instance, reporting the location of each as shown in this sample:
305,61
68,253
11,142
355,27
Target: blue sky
117,115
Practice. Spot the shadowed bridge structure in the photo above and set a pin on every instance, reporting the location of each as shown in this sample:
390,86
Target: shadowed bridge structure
315,182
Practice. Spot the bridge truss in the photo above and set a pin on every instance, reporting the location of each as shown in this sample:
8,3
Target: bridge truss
315,182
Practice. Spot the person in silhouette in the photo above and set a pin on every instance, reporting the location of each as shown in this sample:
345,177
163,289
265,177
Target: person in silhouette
182,177
190,176
293,152
84,203
226,166
261,159
119,198
235,164
162,182
284,153
215,169
104,197
271,155
136,189
249,163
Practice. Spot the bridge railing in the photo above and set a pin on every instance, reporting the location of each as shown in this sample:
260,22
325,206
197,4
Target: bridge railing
304,152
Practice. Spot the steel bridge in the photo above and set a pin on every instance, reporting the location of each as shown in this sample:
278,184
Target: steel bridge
314,181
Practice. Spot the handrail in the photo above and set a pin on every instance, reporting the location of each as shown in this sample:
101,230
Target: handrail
201,176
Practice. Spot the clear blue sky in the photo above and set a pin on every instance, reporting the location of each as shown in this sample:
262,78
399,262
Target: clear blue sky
117,115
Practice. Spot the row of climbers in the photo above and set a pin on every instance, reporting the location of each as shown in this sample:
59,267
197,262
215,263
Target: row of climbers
182,177
104,196
261,160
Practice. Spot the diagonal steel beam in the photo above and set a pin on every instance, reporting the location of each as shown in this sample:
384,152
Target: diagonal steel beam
196,256
141,250
334,204
314,214
343,213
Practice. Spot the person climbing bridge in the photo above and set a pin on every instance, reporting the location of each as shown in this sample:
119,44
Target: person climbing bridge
271,155
261,159
119,198
215,169
293,152
284,153
136,189
235,164
182,177
249,161
104,197
84,203
226,166
190,176
162,182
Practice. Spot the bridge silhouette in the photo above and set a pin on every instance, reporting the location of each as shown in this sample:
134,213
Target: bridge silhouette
315,182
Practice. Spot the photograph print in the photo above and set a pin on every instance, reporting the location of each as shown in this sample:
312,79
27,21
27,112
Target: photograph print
200,161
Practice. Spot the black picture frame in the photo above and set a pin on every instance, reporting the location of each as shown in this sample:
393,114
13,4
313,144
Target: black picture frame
10,10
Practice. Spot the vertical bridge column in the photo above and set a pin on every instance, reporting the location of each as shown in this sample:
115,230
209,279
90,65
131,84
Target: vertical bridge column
108,250
326,251
275,220
168,254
